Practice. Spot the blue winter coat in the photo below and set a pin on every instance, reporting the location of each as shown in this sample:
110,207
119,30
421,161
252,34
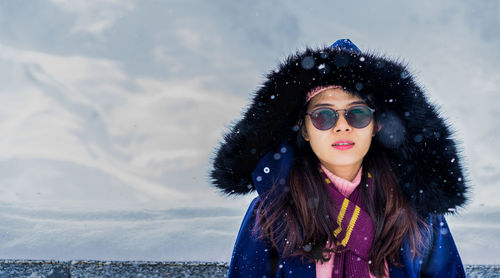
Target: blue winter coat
253,257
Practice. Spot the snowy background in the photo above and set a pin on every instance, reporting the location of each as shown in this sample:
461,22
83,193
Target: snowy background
110,111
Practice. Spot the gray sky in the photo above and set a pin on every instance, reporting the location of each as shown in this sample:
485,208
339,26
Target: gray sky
120,104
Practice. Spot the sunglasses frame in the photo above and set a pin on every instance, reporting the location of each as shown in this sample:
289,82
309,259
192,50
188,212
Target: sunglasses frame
338,116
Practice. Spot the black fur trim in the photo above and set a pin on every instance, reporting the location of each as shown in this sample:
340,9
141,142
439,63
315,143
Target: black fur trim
415,136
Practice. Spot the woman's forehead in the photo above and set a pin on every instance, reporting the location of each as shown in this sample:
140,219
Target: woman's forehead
335,97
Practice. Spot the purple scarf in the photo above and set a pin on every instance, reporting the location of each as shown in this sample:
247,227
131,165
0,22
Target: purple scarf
354,232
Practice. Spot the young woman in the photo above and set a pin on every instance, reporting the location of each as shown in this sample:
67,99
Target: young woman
354,170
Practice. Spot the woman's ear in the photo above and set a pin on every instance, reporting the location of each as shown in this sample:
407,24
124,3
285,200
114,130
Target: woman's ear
303,130
304,134
377,128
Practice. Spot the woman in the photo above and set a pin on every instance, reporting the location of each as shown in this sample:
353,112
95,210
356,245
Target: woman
354,169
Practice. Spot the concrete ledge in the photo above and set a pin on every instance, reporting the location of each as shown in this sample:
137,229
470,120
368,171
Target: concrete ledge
58,269
67,269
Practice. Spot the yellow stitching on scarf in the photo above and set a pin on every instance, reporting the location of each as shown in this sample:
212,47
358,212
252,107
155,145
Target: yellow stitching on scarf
328,181
337,232
351,225
341,217
369,175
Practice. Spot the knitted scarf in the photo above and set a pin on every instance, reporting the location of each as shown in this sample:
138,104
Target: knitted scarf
354,232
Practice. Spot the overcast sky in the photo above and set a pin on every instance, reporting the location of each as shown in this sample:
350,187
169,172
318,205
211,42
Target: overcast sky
119,105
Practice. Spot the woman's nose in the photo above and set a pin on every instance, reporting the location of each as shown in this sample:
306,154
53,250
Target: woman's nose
342,124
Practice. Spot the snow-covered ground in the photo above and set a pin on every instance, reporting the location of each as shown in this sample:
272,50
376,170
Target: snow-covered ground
67,233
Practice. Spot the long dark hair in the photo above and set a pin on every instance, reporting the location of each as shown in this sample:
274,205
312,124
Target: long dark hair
296,219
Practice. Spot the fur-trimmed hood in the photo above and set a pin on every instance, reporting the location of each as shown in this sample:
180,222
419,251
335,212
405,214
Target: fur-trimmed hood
413,133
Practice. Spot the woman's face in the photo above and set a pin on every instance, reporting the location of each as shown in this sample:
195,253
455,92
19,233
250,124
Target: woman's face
323,142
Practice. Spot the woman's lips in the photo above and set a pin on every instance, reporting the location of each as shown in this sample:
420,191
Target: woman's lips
343,145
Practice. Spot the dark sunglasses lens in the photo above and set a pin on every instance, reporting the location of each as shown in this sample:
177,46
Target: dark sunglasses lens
324,119
359,116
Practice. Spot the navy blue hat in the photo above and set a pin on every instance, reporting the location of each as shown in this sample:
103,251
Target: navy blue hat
345,44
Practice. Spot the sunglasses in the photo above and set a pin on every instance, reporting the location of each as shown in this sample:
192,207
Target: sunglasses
324,118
